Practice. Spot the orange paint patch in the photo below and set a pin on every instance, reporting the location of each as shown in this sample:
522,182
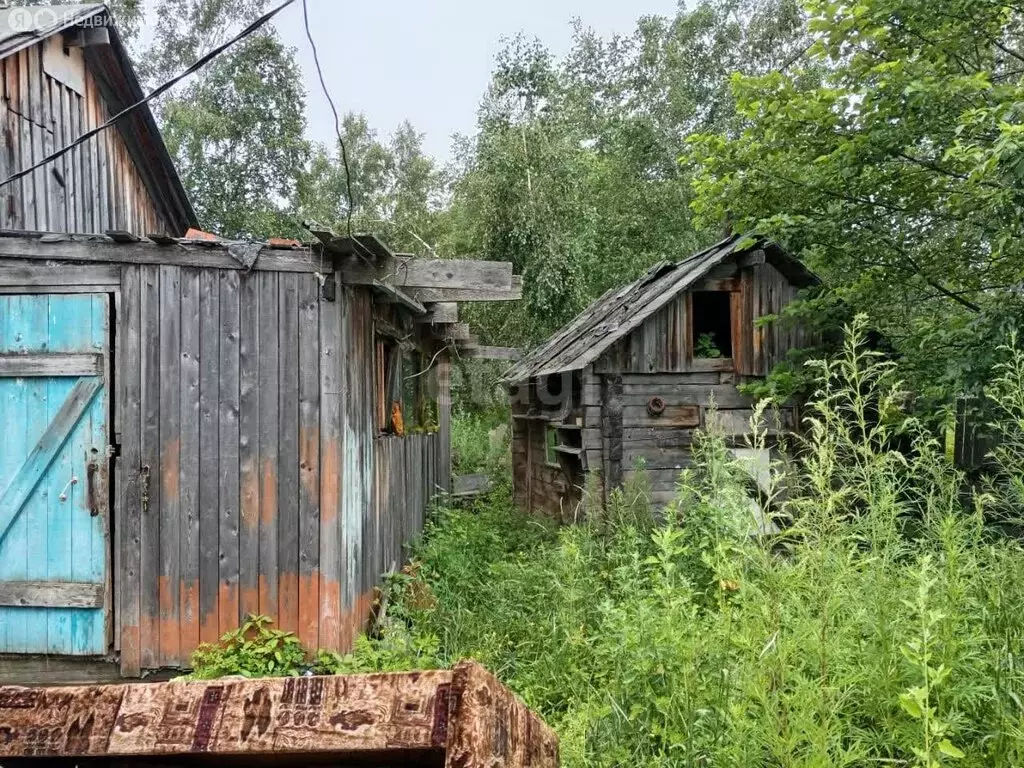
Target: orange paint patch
188,599
249,602
171,461
209,627
268,500
309,611
227,603
330,615
268,596
288,602
131,663
168,627
309,461
250,497
149,642
354,620
330,481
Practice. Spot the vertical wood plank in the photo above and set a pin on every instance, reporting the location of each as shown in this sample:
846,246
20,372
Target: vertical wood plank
28,182
41,137
249,444
130,529
209,460
170,465
288,470
190,467
444,419
309,460
331,361
6,147
228,451
269,386
151,511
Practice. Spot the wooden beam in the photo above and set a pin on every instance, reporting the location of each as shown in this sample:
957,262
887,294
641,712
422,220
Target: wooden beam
494,353
99,249
50,594
451,274
454,332
395,296
20,274
442,312
428,295
34,366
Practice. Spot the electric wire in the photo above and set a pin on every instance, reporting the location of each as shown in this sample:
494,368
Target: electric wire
160,90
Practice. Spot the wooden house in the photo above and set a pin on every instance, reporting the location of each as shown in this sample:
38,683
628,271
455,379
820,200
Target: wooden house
196,429
631,378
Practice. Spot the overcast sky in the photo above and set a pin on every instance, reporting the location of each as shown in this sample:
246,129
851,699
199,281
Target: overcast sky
429,61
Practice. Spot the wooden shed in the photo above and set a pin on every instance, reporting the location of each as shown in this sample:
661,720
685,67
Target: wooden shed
633,376
463,718
195,429
199,430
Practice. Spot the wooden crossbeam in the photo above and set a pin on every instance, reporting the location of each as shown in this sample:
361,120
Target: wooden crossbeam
428,295
50,594
53,364
493,353
448,274
394,295
443,312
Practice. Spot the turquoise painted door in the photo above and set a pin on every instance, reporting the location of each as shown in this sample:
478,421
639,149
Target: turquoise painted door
53,469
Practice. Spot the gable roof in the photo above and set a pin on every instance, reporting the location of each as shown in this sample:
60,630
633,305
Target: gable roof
622,310
118,83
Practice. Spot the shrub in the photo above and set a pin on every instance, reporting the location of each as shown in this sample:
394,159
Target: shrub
882,628
252,650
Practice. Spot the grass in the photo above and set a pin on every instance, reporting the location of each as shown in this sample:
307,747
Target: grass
883,628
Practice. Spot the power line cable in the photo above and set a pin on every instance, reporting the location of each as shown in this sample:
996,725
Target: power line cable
337,120
153,94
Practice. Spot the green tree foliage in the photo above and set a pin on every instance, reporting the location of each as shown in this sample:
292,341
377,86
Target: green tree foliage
881,628
238,135
890,158
574,177
398,191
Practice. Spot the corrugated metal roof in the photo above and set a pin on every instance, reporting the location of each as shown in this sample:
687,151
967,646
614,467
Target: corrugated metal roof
622,310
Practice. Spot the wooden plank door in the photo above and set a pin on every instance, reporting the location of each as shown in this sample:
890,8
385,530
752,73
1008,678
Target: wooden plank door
53,468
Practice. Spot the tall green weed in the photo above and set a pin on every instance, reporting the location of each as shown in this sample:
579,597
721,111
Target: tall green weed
882,627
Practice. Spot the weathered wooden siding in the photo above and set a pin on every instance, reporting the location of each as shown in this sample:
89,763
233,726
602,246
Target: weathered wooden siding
765,291
663,345
250,479
50,98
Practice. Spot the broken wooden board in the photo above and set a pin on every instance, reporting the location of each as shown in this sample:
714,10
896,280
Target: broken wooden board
464,717
470,486
440,313
429,295
510,354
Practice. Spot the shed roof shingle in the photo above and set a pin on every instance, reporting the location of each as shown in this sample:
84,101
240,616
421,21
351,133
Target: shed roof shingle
622,310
